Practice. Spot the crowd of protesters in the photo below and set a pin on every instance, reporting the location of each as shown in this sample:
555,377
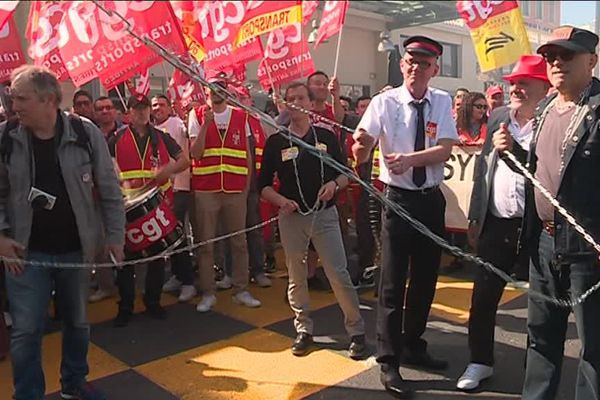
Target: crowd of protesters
71,181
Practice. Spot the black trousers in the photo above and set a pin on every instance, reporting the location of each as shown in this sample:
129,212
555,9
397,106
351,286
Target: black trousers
368,217
498,245
155,277
402,315
181,263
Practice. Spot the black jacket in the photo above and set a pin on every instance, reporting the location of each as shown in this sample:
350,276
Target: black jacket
485,168
579,190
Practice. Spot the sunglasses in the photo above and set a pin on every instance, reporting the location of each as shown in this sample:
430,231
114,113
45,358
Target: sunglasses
422,65
553,55
480,106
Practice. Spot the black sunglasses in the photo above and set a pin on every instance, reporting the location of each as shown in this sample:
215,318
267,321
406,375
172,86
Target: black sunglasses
553,55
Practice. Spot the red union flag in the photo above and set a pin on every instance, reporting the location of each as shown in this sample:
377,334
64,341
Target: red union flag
266,16
308,9
120,56
497,30
287,57
183,89
43,34
219,28
11,51
78,40
6,10
189,14
332,20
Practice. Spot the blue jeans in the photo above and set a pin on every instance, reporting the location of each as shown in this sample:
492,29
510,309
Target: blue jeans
547,325
29,296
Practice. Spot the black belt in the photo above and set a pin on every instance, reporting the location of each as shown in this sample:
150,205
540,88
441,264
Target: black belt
424,191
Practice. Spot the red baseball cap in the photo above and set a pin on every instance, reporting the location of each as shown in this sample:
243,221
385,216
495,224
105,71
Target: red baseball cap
529,66
493,90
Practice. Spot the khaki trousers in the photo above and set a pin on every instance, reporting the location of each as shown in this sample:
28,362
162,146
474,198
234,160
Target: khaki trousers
230,210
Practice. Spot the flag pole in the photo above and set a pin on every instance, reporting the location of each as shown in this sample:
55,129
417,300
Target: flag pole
337,51
121,98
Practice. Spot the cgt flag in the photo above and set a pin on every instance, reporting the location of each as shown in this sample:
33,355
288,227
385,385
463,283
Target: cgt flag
266,16
498,32
11,51
6,10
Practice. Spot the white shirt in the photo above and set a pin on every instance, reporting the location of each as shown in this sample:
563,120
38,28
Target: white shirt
392,120
175,128
507,198
221,119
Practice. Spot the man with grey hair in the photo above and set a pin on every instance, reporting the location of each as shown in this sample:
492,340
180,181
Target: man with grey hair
60,203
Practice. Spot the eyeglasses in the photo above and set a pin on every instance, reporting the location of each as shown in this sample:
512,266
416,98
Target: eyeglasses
422,65
480,106
564,55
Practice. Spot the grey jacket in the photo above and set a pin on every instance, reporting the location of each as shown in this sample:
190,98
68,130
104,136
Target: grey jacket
90,181
485,168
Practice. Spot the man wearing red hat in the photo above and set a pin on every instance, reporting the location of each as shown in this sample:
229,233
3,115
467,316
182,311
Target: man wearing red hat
415,130
496,212
495,97
564,156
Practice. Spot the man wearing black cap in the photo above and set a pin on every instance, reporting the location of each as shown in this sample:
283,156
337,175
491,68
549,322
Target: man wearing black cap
137,149
564,156
415,130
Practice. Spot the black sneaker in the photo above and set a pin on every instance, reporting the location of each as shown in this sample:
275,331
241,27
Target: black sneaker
122,319
270,265
156,312
302,344
394,384
83,392
358,347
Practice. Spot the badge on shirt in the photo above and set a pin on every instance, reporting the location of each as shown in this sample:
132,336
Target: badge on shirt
322,147
290,153
431,130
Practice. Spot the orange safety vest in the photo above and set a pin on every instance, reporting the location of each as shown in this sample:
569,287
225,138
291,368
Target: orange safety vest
259,140
136,167
224,165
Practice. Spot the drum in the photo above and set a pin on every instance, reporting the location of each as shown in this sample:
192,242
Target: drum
151,228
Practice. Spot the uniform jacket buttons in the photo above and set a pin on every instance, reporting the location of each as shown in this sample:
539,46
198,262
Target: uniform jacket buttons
586,152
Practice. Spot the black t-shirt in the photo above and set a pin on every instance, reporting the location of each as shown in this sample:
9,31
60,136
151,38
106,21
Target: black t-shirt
172,147
278,158
52,231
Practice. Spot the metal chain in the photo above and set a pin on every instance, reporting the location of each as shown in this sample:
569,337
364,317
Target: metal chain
178,63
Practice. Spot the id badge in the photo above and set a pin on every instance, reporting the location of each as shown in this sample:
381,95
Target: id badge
290,153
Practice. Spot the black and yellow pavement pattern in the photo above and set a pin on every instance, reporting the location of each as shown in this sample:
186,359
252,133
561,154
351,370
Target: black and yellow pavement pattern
234,352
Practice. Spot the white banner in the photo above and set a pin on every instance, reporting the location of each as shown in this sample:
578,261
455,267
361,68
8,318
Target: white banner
459,173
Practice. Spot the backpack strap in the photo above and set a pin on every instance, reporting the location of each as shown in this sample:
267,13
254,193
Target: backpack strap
83,138
6,140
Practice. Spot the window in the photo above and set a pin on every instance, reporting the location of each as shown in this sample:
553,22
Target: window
119,96
355,91
538,10
449,62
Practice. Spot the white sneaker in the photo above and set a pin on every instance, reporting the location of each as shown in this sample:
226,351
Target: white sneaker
473,376
206,303
245,298
7,319
99,295
224,283
187,293
172,285
262,281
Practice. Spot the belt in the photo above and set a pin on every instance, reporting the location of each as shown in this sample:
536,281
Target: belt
424,191
548,226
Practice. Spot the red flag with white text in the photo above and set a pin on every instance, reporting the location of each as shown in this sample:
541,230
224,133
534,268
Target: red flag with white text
332,20
287,57
6,10
11,51
183,89
308,9
219,27
189,14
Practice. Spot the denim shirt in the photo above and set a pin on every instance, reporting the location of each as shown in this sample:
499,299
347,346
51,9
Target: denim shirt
90,180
